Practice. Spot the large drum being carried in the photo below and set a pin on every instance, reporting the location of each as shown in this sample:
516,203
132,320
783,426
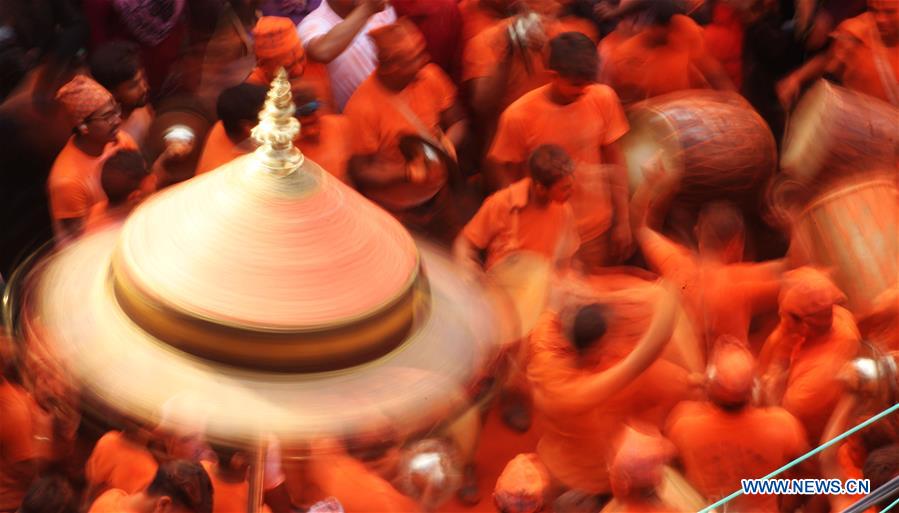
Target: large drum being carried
715,141
836,132
854,228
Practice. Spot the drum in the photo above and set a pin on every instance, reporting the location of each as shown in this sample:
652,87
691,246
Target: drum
834,132
718,145
525,277
854,228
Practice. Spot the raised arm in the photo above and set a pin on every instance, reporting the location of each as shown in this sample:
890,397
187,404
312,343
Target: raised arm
328,47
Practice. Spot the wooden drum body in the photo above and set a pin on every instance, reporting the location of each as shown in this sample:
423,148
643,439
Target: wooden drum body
835,132
854,228
715,141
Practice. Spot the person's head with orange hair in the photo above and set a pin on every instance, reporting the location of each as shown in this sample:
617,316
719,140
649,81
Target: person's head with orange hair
523,485
807,300
401,53
277,45
730,373
637,466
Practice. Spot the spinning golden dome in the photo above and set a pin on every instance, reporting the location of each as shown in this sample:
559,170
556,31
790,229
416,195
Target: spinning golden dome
276,297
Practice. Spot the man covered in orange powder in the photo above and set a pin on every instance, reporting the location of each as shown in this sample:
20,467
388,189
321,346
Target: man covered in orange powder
726,439
121,460
585,394
74,182
277,45
406,95
636,472
532,214
721,293
801,359
864,54
586,120
179,486
666,54
499,67
238,112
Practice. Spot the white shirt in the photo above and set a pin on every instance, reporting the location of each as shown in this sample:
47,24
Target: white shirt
357,61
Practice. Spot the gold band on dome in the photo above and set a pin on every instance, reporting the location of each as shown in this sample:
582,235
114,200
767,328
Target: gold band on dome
358,341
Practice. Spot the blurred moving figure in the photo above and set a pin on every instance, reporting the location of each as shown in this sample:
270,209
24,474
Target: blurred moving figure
179,486
74,182
335,35
863,55
238,112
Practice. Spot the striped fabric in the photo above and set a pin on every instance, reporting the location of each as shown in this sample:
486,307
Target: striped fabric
357,62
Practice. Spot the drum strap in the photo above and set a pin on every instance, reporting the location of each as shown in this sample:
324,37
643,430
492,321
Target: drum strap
881,60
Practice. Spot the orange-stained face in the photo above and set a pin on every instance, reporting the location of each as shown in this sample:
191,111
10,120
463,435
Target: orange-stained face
809,325
886,16
560,192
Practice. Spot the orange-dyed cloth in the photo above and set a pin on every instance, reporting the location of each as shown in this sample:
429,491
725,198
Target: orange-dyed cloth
219,149
74,182
17,442
581,128
484,52
508,222
315,75
718,448
724,41
637,69
334,146
576,444
228,496
813,388
720,299
857,42
112,501
378,121
475,19
117,462
357,488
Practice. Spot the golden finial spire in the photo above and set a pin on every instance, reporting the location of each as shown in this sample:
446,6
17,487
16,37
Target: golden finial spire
277,129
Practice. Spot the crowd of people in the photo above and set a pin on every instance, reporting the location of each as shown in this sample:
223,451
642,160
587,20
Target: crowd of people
494,127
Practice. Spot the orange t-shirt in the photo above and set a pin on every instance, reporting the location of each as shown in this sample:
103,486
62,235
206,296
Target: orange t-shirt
581,128
112,501
860,74
74,182
475,19
315,75
228,496
377,113
724,41
719,448
813,389
508,222
720,299
358,489
220,150
334,146
117,462
639,69
575,445
485,51
17,442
